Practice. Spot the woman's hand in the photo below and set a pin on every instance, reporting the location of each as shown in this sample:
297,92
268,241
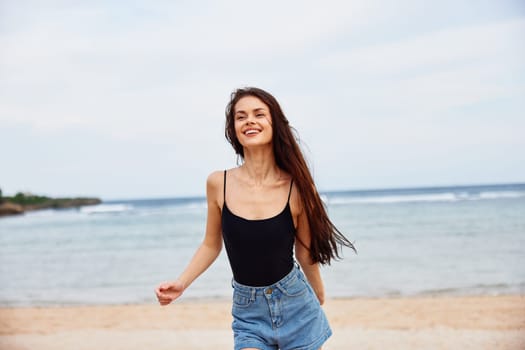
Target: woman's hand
168,291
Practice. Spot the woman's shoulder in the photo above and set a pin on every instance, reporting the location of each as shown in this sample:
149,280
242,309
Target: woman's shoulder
214,187
215,178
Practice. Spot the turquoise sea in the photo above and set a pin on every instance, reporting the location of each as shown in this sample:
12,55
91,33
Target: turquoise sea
460,240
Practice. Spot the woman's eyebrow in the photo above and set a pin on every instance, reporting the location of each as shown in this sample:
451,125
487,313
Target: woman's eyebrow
260,109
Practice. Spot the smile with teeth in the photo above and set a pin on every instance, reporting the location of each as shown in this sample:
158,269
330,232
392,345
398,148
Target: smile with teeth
251,132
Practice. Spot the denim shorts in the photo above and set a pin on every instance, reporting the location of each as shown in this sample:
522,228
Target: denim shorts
286,315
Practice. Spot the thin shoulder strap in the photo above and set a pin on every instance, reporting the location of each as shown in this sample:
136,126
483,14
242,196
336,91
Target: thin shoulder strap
224,188
290,192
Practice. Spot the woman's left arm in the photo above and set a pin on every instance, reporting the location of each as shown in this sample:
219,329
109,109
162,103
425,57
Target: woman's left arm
302,253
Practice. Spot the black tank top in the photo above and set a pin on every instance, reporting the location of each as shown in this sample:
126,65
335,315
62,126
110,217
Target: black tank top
260,251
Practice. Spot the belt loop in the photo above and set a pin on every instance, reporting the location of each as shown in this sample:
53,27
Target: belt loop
252,297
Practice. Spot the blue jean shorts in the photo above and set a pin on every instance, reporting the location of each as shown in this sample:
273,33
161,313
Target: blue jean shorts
286,315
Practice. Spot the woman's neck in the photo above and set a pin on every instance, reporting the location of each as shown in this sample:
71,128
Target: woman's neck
260,166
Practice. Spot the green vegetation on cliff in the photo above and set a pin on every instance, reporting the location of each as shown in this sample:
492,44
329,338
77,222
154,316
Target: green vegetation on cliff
30,201
21,202
24,199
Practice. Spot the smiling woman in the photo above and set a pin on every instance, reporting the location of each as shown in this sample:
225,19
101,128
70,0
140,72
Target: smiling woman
263,210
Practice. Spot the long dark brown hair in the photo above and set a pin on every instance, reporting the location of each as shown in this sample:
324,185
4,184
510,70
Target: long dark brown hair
326,239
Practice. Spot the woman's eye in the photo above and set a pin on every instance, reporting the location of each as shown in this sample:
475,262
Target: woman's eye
260,115
240,117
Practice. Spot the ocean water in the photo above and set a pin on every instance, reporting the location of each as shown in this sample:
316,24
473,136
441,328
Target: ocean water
465,240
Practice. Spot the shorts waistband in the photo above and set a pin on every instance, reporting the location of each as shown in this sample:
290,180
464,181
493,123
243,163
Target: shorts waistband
296,271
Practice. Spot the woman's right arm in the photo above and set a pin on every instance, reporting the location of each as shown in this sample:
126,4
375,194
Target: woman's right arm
208,250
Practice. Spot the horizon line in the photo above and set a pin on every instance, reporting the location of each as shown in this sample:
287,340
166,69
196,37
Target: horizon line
355,190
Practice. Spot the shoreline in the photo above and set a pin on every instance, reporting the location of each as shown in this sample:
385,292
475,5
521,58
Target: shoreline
223,299
437,322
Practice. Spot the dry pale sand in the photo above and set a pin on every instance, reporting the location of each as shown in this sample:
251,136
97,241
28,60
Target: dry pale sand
486,322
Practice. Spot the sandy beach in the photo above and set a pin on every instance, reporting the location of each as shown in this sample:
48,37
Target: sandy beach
481,322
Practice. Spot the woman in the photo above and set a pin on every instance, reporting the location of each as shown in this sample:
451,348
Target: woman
275,304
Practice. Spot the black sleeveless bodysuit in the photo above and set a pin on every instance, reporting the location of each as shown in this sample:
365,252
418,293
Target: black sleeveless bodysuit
260,251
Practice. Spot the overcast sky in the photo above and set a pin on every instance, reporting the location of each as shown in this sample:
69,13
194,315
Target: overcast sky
121,99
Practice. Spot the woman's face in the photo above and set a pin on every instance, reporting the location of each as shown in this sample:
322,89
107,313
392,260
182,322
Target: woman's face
253,122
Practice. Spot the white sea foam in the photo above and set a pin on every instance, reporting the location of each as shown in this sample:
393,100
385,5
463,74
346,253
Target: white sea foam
501,194
106,208
428,197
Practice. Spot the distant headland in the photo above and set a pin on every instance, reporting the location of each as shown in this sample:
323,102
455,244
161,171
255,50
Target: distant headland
22,202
